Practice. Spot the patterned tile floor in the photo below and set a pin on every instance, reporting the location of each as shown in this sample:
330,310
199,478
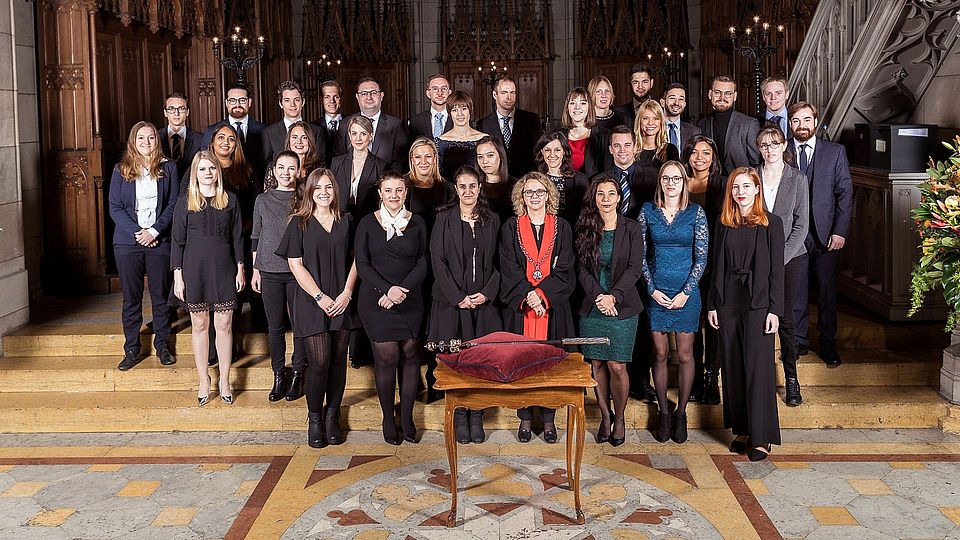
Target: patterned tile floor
819,484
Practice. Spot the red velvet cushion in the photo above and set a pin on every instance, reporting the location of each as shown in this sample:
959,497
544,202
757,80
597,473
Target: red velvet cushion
503,363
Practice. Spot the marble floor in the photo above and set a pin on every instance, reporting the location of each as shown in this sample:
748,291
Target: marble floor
844,483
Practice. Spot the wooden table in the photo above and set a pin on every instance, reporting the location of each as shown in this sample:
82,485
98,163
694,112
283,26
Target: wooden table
559,386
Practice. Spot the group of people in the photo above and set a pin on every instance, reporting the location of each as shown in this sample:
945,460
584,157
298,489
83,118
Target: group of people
628,223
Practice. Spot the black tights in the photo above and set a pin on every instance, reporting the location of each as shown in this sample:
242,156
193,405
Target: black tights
612,378
661,347
327,369
390,358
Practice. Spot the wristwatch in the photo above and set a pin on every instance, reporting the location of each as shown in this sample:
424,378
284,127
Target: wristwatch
318,297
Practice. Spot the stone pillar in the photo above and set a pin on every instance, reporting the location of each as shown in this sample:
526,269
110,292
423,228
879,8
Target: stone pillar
565,70
426,50
19,162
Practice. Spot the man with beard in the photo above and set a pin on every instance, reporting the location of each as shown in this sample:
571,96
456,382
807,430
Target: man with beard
641,82
674,102
775,97
290,96
518,129
734,132
831,205
436,120
249,131
389,134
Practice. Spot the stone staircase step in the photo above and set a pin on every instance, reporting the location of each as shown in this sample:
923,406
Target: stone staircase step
176,410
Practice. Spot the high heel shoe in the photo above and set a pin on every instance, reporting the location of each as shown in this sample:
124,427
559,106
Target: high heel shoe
203,400
549,433
524,435
226,398
390,436
738,446
758,453
601,436
617,441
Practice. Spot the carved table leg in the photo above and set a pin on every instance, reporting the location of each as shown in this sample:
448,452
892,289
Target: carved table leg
571,427
581,434
451,443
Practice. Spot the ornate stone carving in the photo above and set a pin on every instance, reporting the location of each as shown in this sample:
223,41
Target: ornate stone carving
611,28
494,30
156,59
375,31
67,76
67,6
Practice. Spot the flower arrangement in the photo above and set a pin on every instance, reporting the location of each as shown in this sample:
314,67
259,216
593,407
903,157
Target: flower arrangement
938,223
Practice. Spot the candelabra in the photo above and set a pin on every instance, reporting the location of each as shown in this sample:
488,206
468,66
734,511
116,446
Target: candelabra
669,65
492,74
324,69
757,43
238,53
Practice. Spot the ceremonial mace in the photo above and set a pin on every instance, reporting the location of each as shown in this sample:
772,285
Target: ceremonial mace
456,345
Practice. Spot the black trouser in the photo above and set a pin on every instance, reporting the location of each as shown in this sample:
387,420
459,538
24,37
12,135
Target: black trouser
821,267
133,262
278,290
705,346
793,276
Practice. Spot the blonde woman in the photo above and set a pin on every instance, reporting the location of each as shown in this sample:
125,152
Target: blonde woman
428,189
650,129
207,249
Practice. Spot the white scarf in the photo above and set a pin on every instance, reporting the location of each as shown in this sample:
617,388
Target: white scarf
393,225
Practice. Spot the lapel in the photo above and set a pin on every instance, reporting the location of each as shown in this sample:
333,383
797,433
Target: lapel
618,238
379,135
733,129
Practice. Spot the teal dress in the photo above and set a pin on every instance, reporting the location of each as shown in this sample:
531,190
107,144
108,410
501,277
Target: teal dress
622,333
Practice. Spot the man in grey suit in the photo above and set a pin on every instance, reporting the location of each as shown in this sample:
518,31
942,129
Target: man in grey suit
734,132
674,102
831,205
389,133
436,120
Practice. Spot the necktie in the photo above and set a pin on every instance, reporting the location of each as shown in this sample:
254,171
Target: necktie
804,160
506,131
437,125
333,125
777,120
674,136
240,135
176,149
625,191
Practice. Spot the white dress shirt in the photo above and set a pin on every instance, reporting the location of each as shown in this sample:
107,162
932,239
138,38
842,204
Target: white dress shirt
147,194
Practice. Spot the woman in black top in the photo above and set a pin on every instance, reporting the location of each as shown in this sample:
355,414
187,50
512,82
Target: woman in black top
537,276
497,182
207,249
463,248
317,245
554,159
745,303
428,189
391,252
654,146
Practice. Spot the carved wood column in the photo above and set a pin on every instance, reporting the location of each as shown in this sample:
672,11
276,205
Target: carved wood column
72,178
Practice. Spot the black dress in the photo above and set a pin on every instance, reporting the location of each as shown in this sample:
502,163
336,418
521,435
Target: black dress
382,264
207,246
572,189
464,262
500,197
424,201
328,257
455,154
747,285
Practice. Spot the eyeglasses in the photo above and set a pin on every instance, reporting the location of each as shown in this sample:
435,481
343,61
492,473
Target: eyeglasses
672,180
174,110
439,88
238,101
368,93
727,94
534,192
770,146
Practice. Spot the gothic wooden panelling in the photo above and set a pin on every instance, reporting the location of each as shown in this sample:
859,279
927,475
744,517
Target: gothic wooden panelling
514,34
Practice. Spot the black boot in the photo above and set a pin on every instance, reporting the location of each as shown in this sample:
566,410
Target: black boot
793,397
296,386
279,384
332,426
664,428
711,388
679,435
476,427
461,427
315,437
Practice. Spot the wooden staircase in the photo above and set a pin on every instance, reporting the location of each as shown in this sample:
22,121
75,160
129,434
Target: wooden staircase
59,375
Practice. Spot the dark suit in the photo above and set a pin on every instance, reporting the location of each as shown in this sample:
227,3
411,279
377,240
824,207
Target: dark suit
389,142
762,118
523,138
191,145
642,188
327,136
252,143
687,131
739,144
421,125
134,260
628,111
597,156
831,205
275,140
367,198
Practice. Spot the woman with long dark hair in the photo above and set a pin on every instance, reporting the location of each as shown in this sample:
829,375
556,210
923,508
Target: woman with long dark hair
538,277
497,182
745,303
610,248
678,241
555,159
463,247
391,253
143,194
317,245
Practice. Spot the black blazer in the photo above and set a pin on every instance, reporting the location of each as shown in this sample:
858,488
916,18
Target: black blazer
327,136
252,143
687,131
191,145
642,188
367,199
763,120
389,142
574,189
766,273
740,143
831,188
628,251
627,112
421,125
123,204
275,139
597,157
523,138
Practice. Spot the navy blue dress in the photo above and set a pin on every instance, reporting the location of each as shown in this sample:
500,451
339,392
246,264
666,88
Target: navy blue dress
675,261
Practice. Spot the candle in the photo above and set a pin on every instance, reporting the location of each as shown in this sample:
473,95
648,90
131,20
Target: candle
216,40
780,28
245,41
260,39
733,29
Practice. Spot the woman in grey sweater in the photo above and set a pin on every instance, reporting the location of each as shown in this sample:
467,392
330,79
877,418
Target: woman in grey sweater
272,277
786,193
